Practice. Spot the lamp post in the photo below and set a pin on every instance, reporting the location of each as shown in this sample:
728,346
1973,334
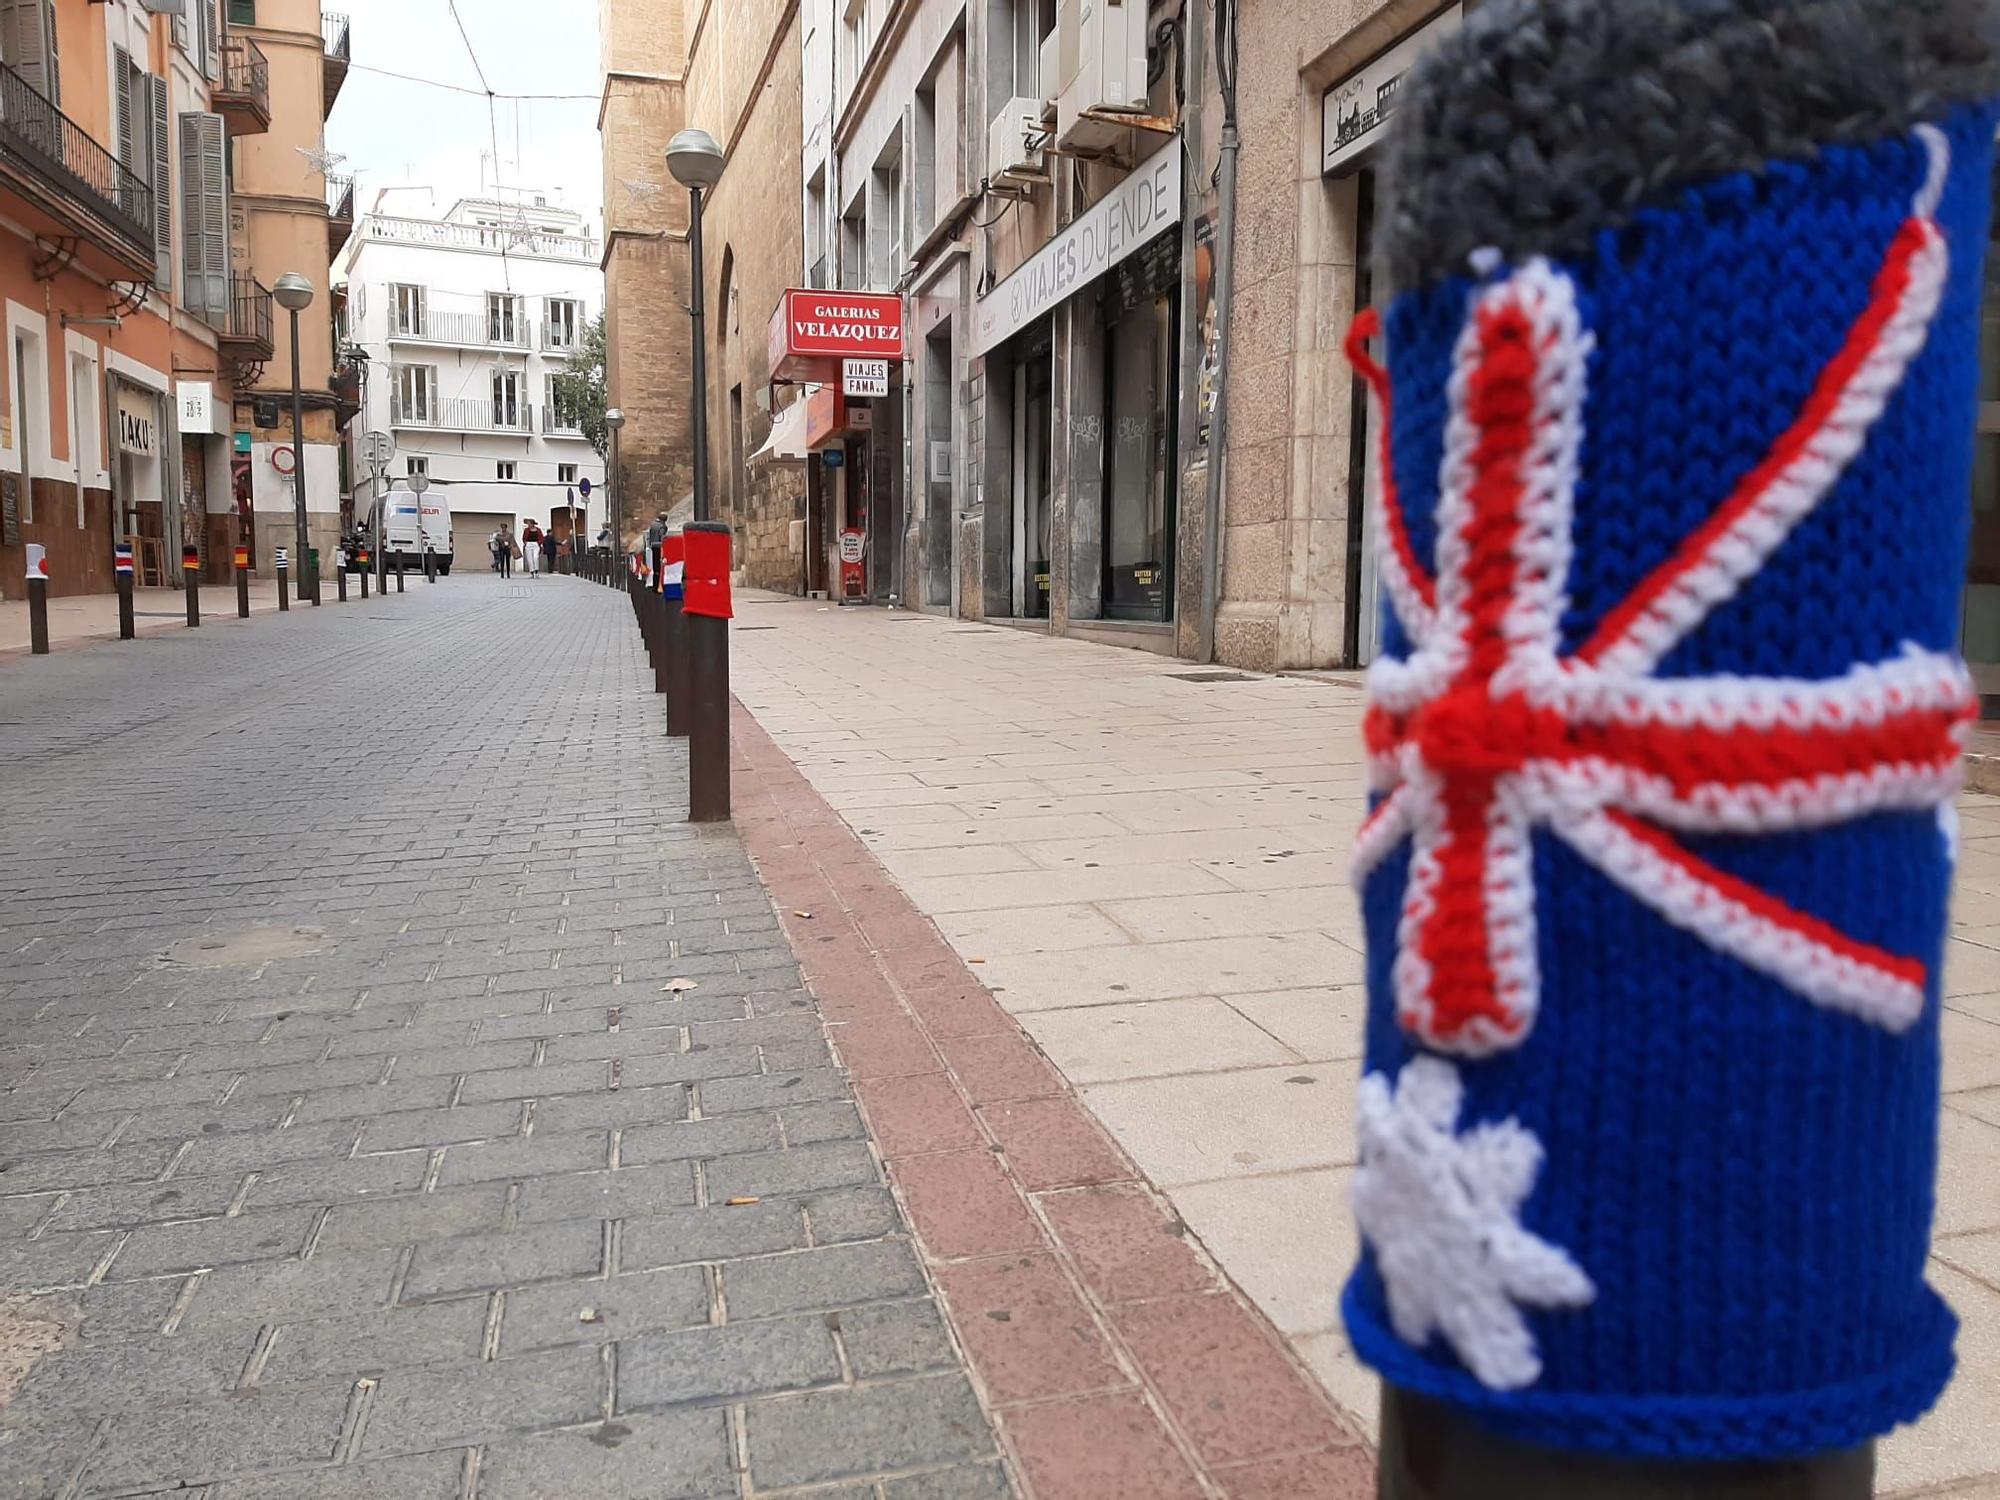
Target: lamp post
614,500
695,159
294,294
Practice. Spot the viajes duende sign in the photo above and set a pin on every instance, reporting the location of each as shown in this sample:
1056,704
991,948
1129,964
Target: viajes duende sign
1146,202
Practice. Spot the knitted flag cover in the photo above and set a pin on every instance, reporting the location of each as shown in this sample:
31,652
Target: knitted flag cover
1677,388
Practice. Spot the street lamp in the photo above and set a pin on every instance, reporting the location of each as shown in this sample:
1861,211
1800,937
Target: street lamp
295,294
614,497
696,161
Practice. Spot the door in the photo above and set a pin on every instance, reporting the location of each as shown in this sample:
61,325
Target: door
1033,430
1139,487
469,531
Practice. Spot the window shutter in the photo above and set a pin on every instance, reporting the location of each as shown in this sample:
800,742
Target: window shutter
30,44
211,40
121,65
204,216
163,203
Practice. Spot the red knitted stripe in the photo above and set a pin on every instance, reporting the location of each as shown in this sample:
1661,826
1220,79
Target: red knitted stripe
1692,756
1769,908
1367,325
1500,402
1891,283
1453,940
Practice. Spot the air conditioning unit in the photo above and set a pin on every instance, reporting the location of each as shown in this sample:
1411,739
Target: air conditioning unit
1014,145
1100,68
1050,62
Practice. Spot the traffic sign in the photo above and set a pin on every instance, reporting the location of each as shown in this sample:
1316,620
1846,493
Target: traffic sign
377,448
583,486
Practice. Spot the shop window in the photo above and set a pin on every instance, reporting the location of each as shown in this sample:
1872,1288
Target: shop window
1139,402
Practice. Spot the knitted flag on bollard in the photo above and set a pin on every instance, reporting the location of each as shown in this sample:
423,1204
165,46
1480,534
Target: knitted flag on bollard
1678,413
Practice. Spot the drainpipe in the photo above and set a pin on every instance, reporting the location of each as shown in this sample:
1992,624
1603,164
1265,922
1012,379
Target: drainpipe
1225,277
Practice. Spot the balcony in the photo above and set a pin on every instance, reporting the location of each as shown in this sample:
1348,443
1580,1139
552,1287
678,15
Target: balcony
242,95
462,330
246,332
518,243
339,212
68,190
459,415
559,422
334,29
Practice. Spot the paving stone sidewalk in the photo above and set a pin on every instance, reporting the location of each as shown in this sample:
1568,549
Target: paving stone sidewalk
401,1101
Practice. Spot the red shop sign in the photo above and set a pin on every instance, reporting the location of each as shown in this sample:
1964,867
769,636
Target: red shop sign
842,325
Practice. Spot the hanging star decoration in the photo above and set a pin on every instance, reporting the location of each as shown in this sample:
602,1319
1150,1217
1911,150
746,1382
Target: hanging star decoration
1442,1211
320,159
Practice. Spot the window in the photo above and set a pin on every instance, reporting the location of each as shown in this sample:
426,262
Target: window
416,394
204,217
565,323
816,230
28,45
408,316
88,455
503,318
140,116
504,469
885,217
1017,29
242,12
854,246
24,419
416,466
565,473
506,398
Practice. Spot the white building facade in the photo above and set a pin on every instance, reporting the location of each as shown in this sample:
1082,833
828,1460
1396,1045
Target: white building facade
466,320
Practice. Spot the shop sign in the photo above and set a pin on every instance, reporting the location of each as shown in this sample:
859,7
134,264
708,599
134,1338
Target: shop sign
1353,111
864,377
812,331
853,579
1121,222
196,405
138,428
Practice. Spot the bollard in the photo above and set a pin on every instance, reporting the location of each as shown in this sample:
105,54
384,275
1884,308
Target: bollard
430,565
1431,1452
281,560
705,620
361,563
191,581
121,573
674,636
665,591
340,574
242,583
399,572
38,599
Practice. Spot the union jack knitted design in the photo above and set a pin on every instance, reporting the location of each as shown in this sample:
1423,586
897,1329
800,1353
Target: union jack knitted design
1662,749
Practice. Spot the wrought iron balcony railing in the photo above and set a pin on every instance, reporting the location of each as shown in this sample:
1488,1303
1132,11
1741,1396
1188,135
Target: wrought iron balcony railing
41,140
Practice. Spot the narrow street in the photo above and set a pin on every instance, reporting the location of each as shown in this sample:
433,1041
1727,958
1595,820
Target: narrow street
401,1100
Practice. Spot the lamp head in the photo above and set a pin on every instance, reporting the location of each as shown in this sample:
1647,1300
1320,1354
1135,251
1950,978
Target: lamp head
293,291
614,419
695,159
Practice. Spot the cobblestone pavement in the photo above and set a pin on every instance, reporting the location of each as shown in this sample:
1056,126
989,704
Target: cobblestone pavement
402,1102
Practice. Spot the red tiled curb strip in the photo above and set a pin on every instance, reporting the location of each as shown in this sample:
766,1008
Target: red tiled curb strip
1119,1363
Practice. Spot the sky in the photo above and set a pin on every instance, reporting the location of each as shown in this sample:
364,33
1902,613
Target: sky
446,145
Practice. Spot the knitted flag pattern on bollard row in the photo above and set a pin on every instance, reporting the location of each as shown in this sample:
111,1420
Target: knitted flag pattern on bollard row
705,580
1664,738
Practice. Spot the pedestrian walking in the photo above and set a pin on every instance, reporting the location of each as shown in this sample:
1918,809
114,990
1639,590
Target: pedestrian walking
531,548
505,550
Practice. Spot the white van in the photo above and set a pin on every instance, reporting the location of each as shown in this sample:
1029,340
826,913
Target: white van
406,532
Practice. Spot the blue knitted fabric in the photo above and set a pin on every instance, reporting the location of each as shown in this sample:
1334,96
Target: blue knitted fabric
1745,1177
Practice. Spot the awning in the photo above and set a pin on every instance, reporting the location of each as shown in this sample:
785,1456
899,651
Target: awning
787,442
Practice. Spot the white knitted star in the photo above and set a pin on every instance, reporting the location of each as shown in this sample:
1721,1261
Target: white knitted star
1441,1211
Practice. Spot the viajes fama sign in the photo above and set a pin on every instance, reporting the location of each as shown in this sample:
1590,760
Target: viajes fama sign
1146,202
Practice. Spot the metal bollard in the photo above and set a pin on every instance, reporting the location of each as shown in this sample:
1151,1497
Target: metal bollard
38,599
362,563
399,572
705,615
1430,1452
242,583
191,581
430,565
340,574
121,576
281,561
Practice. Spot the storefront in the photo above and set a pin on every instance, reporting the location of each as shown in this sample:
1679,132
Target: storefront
847,348
1353,111
1081,351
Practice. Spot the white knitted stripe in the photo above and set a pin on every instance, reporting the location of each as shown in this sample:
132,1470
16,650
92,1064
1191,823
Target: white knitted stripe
1791,494
1792,957
1549,471
1916,681
1386,827
1411,974
1555,791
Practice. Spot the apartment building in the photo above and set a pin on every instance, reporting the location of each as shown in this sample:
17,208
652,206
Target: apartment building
286,212
116,383
464,321
736,71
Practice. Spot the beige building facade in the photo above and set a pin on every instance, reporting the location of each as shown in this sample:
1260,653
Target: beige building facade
289,212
